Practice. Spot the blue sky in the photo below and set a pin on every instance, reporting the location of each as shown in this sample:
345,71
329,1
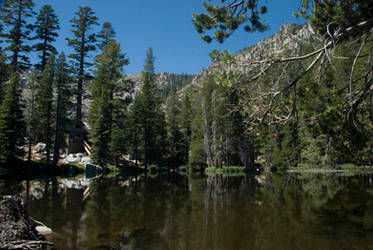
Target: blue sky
166,26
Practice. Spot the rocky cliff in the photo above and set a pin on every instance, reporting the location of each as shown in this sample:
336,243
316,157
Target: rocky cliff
288,41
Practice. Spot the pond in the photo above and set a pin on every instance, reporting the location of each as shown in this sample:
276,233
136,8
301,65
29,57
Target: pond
268,211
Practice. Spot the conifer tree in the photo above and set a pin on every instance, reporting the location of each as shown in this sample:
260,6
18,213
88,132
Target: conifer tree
4,74
106,34
44,105
63,103
119,133
11,122
186,117
83,42
31,90
175,137
135,134
108,71
47,24
151,115
14,16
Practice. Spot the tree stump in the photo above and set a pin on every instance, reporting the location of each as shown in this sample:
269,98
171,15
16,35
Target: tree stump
17,229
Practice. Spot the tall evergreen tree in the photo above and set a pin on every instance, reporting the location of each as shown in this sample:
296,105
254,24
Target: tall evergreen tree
119,133
44,105
148,106
11,122
151,116
175,137
186,117
134,128
14,16
31,88
108,71
4,74
63,103
83,42
47,24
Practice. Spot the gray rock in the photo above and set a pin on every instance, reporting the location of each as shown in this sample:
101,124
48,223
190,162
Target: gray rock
73,158
40,147
86,160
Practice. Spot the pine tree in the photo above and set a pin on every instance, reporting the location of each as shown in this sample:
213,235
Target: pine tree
344,13
175,137
11,122
108,71
63,103
134,128
31,90
105,35
44,105
151,115
47,24
83,42
119,133
186,117
14,15
225,18
4,74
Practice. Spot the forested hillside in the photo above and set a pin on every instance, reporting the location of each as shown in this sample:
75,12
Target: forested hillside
300,97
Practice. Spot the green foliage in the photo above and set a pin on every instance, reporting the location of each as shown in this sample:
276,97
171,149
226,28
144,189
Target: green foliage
63,103
343,13
108,71
119,130
150,119
63,78
225,17
186,117
217,55
84,41
217,128
134,129
12,127
44,105
44,101
46,27
177,81
4,74
84,38
31,122
14,15
175,137
106,34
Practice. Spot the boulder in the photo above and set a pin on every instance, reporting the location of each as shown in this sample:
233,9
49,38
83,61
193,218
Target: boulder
86,160
40,147
73,158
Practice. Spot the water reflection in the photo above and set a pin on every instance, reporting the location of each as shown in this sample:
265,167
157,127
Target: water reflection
289,211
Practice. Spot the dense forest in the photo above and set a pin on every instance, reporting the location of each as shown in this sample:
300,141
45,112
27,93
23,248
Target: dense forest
303,97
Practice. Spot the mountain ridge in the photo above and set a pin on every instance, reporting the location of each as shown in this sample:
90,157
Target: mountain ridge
289,37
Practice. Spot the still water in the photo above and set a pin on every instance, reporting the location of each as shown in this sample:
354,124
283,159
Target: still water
269,211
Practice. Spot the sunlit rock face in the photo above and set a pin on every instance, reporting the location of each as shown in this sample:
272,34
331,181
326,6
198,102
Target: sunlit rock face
288,41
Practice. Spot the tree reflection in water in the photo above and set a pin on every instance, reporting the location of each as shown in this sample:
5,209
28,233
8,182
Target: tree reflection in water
288,211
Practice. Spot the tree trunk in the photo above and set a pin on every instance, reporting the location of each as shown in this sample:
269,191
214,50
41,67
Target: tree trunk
56,153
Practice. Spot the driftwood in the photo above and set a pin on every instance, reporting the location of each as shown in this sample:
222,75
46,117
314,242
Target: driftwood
17,229
27,244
